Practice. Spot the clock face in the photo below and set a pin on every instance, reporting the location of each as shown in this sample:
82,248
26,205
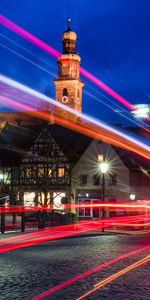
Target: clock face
65,99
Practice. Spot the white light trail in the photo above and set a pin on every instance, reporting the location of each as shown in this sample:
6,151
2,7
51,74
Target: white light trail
84,117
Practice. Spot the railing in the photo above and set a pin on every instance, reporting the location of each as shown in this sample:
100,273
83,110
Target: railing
23,218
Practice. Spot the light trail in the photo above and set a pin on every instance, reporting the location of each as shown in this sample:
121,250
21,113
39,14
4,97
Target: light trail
116,275
52,65
53,233
57,232
118,206
92,127
28,36
121,112
45,237
87,273
36,41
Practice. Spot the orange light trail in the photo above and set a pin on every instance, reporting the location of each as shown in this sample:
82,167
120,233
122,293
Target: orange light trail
87,273
116,275
96,132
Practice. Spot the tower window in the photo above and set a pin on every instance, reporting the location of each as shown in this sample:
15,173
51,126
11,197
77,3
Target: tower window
65,92
78,93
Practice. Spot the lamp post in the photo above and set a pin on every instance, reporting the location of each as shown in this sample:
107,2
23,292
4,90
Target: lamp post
104,166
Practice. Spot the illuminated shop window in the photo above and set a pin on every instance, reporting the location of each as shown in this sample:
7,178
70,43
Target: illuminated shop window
61,172
57,200
29,198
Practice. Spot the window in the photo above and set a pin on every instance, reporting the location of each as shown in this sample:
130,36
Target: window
83,179
61,172
78,93
28,172
57,196
49,172
29,198
41,172
65,92
96,179
84,211
100,157
114,179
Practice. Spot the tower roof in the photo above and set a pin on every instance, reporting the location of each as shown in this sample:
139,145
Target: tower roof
69,39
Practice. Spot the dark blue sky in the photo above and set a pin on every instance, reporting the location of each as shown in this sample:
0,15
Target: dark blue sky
113,41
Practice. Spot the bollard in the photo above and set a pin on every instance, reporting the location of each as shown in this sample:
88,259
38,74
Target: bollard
2,222
52,218
39,219
22,221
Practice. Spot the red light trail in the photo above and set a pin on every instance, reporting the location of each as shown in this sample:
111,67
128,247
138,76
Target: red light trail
36,41
116,275
87,273
58,232
128,206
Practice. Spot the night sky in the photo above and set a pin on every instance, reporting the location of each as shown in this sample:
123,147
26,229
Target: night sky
113,41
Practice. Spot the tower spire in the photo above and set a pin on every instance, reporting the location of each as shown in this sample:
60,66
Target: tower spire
69,20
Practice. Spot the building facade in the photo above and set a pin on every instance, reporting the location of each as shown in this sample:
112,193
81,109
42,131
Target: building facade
48,164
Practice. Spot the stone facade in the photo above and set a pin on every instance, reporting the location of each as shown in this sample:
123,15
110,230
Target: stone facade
68,86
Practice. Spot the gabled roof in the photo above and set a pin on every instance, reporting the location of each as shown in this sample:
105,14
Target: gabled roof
132,160
72,143
16,141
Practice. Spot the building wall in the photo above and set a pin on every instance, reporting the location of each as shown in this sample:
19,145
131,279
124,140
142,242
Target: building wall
140,184
88,165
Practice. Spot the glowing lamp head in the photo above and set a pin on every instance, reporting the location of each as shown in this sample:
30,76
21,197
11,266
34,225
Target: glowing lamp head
104,166
132,197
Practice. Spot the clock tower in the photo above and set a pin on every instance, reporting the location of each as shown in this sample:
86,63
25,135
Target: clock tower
68,86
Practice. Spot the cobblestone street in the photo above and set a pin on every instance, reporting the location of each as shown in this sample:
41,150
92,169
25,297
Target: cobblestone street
32,270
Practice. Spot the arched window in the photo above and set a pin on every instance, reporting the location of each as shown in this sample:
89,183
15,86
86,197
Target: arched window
65,92
78,93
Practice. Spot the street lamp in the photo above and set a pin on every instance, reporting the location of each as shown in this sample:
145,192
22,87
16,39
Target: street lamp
104,166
